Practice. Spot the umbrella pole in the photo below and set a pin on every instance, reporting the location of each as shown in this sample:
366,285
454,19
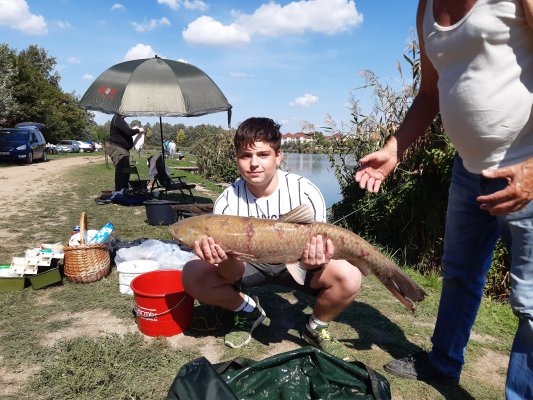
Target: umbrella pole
162,145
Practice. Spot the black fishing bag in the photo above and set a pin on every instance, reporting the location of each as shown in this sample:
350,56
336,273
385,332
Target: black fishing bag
305,373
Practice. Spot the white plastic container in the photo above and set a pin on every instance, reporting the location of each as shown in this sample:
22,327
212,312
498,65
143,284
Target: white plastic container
128,270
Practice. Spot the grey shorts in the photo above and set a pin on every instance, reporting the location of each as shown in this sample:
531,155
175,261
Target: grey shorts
277,274
116,153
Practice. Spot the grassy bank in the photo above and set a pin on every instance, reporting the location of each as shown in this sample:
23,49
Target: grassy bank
80,341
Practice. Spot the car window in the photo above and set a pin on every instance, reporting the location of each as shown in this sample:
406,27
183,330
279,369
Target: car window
15,136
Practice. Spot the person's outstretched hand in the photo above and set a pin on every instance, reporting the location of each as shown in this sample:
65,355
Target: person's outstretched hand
516,195
374,168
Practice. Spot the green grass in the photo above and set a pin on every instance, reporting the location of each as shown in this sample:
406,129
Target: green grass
80,341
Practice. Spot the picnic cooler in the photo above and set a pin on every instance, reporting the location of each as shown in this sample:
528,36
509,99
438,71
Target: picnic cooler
87,262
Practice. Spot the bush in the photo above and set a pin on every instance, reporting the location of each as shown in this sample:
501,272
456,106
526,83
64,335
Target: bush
216,155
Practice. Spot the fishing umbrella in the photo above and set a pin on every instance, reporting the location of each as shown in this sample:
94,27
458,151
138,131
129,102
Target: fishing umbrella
155,87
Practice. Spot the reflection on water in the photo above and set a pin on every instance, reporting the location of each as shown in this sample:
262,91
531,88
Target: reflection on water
317,169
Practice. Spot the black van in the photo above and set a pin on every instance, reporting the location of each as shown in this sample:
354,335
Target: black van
25,144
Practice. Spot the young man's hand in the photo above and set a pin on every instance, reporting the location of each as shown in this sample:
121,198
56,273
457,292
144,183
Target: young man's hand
209,251
317,252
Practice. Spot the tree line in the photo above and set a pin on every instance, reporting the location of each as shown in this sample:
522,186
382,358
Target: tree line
30,91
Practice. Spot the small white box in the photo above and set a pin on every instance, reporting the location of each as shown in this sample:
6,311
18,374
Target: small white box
18,265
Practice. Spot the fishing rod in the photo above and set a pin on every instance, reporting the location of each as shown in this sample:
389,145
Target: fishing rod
379,197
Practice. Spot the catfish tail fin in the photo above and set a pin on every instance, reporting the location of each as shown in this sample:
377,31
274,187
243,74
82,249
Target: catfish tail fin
403,288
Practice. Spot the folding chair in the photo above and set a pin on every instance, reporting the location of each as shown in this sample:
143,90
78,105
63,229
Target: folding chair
166,182
138,185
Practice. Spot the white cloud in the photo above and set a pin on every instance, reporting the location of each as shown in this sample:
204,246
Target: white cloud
88,77
206,31
238,75
150,25
195,5
307,100
139,51
16,14
272,19
188,4
174,4
117,6
63,24
73,60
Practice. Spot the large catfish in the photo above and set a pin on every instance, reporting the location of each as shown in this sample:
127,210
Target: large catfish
283,241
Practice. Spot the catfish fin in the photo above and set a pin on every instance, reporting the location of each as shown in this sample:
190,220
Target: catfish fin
241,256
403,288
297,272
299,215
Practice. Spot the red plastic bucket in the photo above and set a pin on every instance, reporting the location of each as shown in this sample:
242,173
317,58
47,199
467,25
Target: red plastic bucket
162,307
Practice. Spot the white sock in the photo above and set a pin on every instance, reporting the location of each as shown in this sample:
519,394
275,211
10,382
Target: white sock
313,322
247,305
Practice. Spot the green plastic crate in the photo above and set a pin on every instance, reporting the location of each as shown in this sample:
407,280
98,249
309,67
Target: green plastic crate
12,284
45,278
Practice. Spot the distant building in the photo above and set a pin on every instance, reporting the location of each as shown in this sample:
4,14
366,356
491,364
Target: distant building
299,137
336,136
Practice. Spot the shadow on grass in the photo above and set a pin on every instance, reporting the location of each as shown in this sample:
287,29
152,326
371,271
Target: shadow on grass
288,311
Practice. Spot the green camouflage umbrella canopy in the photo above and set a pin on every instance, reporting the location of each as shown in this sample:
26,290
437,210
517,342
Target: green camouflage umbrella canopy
155,87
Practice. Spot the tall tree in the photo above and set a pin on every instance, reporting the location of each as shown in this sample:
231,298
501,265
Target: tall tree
8,103
44,64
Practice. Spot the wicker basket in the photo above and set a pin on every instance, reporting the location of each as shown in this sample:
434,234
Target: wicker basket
87,262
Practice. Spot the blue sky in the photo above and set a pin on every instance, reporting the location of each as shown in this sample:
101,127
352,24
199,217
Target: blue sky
293,61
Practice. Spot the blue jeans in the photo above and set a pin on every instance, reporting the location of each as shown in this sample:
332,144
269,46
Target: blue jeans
471,235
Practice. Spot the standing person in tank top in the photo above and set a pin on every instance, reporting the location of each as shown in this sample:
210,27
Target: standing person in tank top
477,71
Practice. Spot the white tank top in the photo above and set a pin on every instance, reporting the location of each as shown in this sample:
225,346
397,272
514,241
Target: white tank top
485,68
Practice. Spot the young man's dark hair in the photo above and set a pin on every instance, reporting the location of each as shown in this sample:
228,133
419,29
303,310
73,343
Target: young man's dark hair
257,129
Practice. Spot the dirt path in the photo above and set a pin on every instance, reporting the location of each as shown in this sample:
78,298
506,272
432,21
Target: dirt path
16,181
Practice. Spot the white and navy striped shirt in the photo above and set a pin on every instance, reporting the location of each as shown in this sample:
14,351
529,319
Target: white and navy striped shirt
292,191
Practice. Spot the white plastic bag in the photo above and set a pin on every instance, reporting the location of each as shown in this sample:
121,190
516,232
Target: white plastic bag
169,256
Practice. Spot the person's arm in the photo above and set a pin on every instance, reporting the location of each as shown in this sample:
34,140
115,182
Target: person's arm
122,125
375,167
528,11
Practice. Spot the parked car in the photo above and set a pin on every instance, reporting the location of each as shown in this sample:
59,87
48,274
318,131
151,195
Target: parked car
93,145
68,146
85,147
51,148
98,147
26,144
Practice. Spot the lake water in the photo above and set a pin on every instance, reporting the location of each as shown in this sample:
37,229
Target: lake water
317,169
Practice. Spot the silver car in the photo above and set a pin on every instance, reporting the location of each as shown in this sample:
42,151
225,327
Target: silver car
68,146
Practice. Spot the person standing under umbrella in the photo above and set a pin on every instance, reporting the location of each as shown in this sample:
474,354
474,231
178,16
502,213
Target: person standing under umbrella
120,144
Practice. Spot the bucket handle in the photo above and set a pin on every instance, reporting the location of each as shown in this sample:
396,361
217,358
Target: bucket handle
162,313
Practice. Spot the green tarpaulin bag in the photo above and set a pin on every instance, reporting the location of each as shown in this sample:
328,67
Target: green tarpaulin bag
305,373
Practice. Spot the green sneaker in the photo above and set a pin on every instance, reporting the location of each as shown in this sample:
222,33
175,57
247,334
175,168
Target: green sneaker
245,323
321,339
